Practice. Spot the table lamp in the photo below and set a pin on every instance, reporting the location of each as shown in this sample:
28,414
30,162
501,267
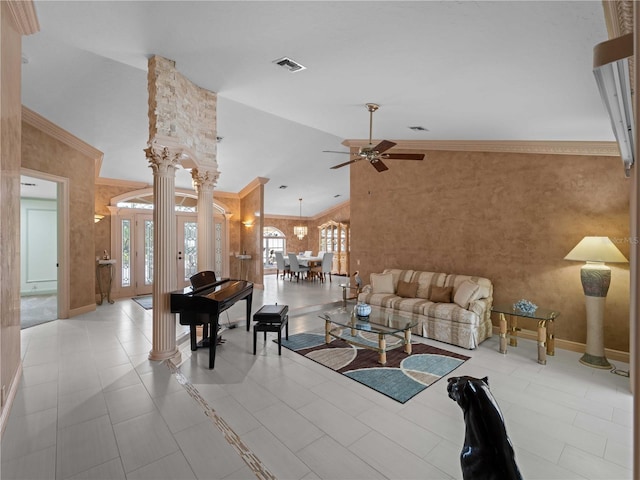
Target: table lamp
595,277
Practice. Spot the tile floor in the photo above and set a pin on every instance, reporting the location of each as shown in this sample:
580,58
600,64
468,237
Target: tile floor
91,405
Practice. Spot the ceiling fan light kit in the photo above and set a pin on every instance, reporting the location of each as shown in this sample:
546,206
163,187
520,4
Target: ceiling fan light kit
375,154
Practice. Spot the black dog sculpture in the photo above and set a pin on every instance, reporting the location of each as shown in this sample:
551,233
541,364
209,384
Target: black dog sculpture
487,453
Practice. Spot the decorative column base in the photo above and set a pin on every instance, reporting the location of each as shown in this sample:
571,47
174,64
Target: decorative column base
595,362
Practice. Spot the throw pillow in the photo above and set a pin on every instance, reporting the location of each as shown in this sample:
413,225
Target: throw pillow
465,293
441,294
407,289
382,283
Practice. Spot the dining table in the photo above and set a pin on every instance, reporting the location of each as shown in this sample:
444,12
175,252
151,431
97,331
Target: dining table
309,262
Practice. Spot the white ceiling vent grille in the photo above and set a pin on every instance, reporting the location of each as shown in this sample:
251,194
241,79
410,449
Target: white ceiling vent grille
289,64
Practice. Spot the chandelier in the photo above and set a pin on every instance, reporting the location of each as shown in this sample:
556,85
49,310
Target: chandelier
300,230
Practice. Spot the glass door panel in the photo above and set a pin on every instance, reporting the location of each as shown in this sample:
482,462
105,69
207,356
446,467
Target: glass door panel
187,249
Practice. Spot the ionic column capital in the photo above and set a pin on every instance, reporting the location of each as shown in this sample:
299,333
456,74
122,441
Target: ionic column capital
204,179
163,160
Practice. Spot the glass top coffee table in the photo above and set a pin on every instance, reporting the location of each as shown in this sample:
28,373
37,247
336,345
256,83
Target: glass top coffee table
344,324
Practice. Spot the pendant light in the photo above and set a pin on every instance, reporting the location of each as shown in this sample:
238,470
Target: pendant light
300,230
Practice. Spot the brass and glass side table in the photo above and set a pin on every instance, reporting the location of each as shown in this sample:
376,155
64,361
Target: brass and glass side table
545,318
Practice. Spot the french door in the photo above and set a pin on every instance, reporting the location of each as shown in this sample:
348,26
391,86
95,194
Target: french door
186,251
132,240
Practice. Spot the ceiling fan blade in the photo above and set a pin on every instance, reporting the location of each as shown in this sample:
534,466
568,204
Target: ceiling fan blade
383,146
378,165
335,151
345,163
405,156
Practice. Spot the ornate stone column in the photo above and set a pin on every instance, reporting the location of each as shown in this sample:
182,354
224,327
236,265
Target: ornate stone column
204,181
163,161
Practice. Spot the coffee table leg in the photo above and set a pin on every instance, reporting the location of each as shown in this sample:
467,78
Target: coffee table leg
382,347
407,341
551,347
327,330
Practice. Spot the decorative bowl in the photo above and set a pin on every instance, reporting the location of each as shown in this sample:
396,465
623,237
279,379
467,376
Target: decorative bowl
363,310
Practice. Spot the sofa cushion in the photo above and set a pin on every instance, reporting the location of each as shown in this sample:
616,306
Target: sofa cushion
405,275
486,287
451,312
466,292
382,283
441,294
426,281
409,305
407,289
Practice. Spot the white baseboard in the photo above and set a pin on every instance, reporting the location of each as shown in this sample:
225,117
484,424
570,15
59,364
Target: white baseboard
6,408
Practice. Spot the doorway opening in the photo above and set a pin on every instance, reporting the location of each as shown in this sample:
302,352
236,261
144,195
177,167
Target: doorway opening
40,220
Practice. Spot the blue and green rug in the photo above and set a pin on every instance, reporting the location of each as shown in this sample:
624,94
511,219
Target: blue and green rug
403,376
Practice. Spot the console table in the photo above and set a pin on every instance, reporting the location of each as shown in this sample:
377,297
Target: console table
100,267
545,318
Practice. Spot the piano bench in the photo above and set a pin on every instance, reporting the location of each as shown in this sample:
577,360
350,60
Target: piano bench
271,318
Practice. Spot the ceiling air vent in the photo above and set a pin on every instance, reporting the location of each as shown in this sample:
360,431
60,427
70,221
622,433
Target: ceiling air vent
291,65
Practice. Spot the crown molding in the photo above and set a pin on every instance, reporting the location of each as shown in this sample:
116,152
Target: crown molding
618,16
605,149
53,130
222,194
275,216
24,16
116,182
255,183
330,210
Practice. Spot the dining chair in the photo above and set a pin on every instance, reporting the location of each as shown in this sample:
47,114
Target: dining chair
281,265
325,267
295,267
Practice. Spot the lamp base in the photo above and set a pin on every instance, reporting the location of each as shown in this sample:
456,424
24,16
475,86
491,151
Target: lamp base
595,361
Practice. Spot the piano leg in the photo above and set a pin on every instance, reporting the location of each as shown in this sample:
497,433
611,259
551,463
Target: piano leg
249,310
194,340
213,320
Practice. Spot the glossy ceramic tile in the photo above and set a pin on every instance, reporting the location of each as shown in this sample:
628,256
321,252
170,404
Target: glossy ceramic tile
92,405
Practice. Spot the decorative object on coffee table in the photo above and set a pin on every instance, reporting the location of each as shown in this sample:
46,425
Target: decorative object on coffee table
596,278
363,310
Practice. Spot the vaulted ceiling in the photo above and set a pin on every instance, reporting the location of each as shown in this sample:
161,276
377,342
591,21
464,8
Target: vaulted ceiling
462,70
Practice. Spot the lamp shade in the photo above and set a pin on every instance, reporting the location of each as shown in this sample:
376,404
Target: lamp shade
596,249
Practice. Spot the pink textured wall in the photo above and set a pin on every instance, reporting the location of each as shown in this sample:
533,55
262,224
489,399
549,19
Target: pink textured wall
43,153
10,58
508,217
251,237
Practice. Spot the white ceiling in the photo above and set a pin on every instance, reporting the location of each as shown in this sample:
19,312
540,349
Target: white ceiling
463,70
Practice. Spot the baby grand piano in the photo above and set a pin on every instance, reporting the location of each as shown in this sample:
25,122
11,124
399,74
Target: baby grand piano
202,303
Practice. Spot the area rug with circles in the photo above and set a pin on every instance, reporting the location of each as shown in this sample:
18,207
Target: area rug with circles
401,378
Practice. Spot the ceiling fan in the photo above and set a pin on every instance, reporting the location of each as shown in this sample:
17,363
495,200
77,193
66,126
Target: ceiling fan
375,154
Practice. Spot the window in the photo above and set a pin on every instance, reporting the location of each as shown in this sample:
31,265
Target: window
273,240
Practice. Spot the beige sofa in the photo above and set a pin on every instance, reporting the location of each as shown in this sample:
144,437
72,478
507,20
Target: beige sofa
450,308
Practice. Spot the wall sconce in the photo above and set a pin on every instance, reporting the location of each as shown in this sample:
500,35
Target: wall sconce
97,218
248,223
